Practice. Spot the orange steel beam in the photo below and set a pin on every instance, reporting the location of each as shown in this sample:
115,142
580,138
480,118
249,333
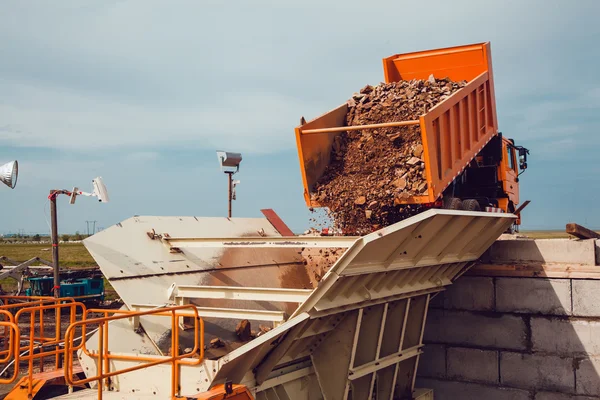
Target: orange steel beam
360,127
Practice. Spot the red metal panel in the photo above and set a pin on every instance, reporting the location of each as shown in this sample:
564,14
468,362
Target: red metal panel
277,222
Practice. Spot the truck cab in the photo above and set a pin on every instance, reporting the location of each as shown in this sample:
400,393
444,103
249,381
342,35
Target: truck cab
492,178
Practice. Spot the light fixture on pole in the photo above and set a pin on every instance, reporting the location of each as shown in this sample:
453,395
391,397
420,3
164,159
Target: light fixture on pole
98,190
230,164
9,173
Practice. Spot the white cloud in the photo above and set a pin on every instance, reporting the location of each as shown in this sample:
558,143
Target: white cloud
49,117
143,156
97,74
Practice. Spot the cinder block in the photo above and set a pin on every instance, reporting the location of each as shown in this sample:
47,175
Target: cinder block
453,390
533,371
543,251
565,337
473,365
586,297
587,376
534,295
432,363
473,329
470,293
560,396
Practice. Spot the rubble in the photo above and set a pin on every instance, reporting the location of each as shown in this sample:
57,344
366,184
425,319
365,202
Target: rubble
216,343
243,330
373,170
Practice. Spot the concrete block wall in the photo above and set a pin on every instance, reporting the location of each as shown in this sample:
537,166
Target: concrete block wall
513,338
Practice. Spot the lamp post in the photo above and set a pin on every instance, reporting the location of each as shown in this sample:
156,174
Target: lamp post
99,191
230,164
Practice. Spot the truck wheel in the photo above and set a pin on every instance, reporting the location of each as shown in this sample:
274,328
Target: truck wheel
452,203
471,205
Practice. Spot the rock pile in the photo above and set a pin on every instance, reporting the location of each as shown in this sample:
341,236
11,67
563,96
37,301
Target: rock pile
371,170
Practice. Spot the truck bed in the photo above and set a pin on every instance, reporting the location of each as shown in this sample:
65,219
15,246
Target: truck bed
452,133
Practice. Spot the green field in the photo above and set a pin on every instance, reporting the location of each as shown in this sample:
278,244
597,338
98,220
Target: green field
71,255
545,234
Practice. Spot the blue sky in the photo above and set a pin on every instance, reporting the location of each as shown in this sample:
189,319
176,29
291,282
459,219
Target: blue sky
143,92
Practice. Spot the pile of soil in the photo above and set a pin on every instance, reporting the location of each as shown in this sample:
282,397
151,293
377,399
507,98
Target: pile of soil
372,169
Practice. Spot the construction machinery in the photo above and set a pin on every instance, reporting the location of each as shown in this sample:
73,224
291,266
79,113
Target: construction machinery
469,164
241,308
83,284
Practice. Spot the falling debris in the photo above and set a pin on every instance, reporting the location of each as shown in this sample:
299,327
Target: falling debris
372,171
216,343
243,330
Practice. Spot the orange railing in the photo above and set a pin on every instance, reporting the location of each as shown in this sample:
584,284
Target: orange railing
43,345
10,344
103,356
26,337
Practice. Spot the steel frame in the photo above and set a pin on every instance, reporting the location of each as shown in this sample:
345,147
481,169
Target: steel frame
215,312
240,293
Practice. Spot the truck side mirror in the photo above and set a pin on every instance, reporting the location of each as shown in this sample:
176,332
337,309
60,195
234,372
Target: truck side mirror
523,157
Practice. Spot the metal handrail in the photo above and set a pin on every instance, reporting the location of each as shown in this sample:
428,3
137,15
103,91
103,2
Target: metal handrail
9,311
43,341
11,337
103,356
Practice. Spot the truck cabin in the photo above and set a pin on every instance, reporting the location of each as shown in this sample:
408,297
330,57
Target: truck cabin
492,177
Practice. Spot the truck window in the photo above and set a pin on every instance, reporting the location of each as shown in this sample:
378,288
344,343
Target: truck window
511,157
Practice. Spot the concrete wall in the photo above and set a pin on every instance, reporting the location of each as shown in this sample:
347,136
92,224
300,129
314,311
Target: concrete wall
514,338
548,251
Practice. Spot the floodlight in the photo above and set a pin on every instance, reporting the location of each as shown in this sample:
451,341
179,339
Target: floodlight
9,173
230,164
233,186
99,191
229,159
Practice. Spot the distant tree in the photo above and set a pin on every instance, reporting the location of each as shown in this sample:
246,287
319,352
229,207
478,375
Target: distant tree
78,236
36,238
66,238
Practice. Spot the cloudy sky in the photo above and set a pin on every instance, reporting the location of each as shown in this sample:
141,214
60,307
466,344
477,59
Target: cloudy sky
143,92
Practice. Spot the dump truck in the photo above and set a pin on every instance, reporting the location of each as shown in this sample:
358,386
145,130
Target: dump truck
469,164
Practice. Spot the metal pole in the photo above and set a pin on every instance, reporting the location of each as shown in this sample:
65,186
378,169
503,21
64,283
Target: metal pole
230,183
52,197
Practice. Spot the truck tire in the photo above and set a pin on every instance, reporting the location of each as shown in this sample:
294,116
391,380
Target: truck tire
471,205
452,203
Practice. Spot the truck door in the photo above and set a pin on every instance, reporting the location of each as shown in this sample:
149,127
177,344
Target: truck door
511,185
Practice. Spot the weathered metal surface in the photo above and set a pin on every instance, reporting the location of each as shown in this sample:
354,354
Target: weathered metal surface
142,269
370,305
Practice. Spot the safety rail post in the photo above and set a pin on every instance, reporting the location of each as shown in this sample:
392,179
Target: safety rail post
11,337
103,357
35,309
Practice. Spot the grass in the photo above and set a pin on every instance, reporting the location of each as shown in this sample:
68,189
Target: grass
71,255
546,234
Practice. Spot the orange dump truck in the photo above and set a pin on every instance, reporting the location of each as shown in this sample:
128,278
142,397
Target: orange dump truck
469,164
